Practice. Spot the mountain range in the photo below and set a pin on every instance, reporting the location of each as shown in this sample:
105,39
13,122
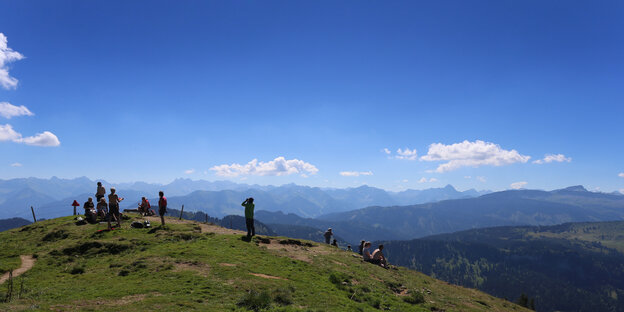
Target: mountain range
53,197
513,207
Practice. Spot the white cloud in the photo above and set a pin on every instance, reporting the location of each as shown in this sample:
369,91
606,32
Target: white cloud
481,179
190,171
387,151
405,180
548,158
424,180
8,134
407,154
16,164
8,110
7,55
46,138
355,173
622,191
276,167
467,177
471,154
518,185
621,175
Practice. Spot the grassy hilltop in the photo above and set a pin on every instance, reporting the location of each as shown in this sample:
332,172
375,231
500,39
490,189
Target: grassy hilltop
194,266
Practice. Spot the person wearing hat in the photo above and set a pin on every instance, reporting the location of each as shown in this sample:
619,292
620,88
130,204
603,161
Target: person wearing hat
113,207
328,234
101,191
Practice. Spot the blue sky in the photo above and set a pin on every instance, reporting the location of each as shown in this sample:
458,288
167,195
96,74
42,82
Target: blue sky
157,90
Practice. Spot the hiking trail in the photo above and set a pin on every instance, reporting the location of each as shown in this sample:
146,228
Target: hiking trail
27,263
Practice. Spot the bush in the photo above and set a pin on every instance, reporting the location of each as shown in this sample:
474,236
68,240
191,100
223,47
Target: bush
283,296
340,279
77,270
414,297
255,301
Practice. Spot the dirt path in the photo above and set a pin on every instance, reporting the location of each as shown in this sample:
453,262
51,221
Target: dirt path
27,263
205,228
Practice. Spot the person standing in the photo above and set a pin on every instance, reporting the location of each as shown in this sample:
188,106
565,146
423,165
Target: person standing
162,207
249,216
101,191
328,234
113,207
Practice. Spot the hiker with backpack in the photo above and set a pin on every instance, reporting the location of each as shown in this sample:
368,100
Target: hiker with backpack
113,207
328,234
249,216
162,207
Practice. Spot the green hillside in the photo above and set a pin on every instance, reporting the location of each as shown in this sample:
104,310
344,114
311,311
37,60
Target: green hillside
566,267
194,266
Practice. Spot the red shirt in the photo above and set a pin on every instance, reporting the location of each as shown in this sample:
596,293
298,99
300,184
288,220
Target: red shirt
162,202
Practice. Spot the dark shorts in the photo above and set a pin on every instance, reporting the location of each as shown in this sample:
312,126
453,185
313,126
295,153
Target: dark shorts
162,211
113,209
373,261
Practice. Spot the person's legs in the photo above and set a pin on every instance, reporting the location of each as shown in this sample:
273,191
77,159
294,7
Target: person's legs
249,224
253,228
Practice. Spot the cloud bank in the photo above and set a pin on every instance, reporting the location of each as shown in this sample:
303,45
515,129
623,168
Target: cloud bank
471,154
7,55
8,110
276,167
424,180
355,173
621,175
518,185
548,158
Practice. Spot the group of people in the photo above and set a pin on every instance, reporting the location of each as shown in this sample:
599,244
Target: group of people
377,257
109,211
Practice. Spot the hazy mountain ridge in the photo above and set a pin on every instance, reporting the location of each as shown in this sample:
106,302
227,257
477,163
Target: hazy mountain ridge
53,197
513,207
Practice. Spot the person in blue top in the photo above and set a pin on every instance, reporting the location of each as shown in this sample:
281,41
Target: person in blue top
249,214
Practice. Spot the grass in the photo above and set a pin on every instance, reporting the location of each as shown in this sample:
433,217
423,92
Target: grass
179,268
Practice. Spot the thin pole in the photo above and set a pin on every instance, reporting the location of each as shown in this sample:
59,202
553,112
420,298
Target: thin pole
33,212
181,211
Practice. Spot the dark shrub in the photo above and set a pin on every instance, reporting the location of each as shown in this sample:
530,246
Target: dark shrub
283,296
77,270
255,301
414,297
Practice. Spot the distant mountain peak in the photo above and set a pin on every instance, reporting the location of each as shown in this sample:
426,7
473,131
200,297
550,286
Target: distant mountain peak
449,187
575,188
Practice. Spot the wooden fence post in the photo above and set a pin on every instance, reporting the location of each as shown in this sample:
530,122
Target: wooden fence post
33,212
181,211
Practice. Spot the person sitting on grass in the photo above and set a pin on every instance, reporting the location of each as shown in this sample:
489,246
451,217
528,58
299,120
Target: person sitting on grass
144,207
102,208
88,205
378,257
366,255
335,243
